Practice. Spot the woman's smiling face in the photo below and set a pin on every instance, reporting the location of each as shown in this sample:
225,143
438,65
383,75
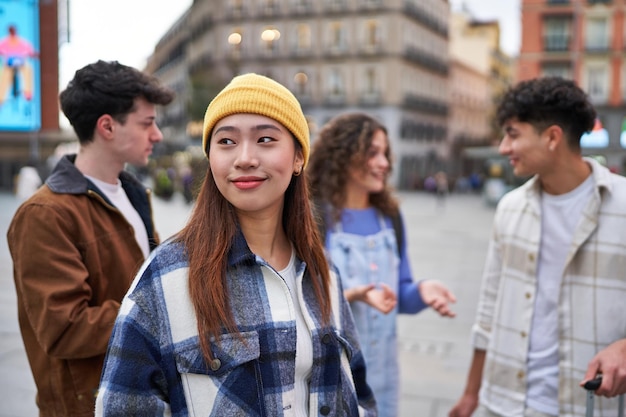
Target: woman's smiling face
253,159
371,178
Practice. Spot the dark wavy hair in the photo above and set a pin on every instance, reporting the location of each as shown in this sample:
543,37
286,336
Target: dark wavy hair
548,101
107,88
343,143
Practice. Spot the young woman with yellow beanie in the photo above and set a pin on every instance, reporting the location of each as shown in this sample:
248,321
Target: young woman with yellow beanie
240,313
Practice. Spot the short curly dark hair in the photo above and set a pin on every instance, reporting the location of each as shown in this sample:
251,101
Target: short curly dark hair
548,101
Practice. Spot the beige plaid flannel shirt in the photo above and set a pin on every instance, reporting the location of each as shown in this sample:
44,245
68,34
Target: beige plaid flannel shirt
592,306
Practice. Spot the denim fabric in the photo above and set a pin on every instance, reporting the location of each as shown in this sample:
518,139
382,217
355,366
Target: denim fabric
363,260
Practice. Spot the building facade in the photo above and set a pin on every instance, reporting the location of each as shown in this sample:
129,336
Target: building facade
389,58
480,73
584,40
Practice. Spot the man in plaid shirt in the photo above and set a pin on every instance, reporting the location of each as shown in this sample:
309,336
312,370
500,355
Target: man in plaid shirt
551,312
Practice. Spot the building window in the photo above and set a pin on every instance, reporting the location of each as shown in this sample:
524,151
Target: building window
372,3
301,80
597,85
372,34
370,81
271,7
623,82
236,7
558,70
336,4
303,37
556,35
337,36
335,83
301,5
597,34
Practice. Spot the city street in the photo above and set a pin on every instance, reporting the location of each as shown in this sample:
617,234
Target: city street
447,241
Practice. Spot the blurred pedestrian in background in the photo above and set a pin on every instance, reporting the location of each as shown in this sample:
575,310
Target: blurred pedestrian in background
79,240
28,180
365,237
442,187
554,284
239,314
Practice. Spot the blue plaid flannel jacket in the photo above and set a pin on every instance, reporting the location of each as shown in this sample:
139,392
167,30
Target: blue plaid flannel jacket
154,365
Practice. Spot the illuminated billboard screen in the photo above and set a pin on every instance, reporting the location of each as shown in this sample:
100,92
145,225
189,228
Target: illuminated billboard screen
20,93
597,138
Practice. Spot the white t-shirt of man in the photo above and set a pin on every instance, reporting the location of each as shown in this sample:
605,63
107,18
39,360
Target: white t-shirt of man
559,216
116,194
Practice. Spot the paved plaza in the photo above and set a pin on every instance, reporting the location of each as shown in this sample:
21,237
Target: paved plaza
447,241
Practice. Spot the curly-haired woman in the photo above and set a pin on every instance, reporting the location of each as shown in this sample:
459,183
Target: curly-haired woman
364,235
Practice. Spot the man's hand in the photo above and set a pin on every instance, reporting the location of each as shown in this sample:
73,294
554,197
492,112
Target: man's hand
465,407
611,363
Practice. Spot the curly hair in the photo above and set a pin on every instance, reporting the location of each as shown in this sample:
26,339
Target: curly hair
548,101
107,88
343,143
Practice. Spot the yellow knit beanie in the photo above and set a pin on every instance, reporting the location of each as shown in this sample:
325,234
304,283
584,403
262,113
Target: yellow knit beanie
257,94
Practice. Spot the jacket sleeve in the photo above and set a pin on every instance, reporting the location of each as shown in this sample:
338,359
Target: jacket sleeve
409,298
365,396
481,329
133,381
52,285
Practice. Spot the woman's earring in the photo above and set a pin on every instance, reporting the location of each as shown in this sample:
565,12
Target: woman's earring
298,172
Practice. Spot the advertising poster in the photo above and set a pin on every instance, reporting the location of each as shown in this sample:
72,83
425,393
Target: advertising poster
20,93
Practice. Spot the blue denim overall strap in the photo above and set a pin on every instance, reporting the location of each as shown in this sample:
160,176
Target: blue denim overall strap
363,260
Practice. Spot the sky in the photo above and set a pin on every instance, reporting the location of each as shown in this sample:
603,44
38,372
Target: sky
128,30
121,30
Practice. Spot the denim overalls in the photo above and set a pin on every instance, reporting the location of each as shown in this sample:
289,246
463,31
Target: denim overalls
363,260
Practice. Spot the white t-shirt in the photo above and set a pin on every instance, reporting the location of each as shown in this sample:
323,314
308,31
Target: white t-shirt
116,194
304,344
559,216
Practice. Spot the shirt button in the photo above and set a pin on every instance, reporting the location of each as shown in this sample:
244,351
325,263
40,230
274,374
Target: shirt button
523,334
215,364
531,257
520,374
324,410
528,295
326,339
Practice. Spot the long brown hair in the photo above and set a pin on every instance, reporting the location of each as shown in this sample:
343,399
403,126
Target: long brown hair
208,237
343,143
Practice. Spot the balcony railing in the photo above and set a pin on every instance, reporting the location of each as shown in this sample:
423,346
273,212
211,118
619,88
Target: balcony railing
370,98
426,60
553,43
425,19
425,104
